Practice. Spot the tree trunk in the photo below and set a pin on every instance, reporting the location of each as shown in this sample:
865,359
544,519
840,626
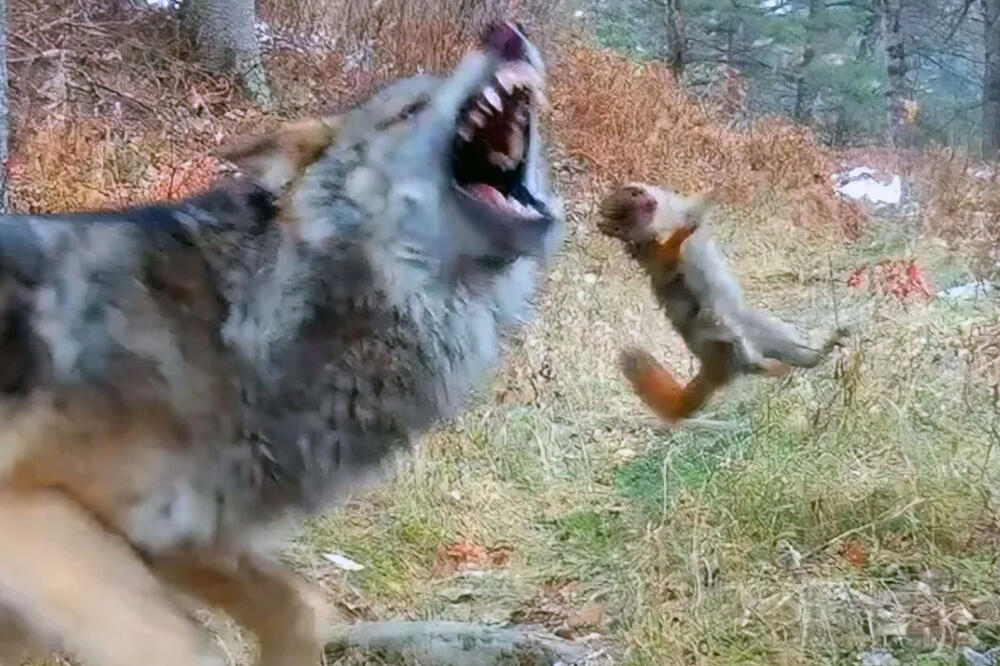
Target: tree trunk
840,128
734,31
805,91
991,80
226,37
896,90
869,34
677,45
4,110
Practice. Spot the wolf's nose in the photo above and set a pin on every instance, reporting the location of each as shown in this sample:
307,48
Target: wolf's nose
504,39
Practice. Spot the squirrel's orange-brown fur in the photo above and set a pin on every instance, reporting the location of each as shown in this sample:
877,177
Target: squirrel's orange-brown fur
701,298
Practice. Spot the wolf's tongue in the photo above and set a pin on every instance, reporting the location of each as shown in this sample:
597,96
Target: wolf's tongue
488,194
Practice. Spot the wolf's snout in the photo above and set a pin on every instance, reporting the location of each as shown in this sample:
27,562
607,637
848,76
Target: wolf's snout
491,152
505,40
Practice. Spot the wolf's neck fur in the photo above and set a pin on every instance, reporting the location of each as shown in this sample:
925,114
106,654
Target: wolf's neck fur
340,365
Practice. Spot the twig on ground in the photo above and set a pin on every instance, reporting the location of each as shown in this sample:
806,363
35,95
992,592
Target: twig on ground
50,53
697,421
896,513
457,643
103,86
833,292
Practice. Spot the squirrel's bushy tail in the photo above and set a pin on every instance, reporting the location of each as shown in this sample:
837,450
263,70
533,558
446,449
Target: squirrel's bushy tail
658,388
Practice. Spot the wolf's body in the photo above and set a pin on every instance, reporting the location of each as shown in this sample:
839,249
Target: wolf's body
192,375
703,300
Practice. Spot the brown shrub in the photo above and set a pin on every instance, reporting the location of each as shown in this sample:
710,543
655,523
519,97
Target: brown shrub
134,98
378,41
110,109
902,280
630,121
104,59
92,165
962,204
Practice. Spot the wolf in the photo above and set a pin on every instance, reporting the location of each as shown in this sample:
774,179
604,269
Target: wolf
666,233
179,382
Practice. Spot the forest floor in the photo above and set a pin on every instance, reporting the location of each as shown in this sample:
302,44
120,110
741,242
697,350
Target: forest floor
843,515
837,513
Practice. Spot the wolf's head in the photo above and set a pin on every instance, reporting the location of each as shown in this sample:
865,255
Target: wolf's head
638,212
452,165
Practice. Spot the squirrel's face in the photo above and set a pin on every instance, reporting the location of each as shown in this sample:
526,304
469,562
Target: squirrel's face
627,213
638,212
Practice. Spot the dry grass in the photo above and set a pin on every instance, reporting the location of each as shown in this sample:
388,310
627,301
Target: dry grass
627,120
555,499
964,204
87,165
960,200
959,211
427,36
875,468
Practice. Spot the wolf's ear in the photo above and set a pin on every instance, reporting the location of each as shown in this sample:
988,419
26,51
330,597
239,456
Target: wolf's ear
277,159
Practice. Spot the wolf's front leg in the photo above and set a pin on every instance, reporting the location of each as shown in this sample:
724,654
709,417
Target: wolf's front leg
87,590
287,615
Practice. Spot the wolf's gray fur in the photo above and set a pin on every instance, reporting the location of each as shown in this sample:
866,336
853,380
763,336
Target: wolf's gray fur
296,349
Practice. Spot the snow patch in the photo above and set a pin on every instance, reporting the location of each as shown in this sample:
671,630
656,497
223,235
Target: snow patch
860,183
778,7
985,173
162,5
342,562
971,291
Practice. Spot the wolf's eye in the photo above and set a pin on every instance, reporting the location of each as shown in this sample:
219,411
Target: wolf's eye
404,114
412,109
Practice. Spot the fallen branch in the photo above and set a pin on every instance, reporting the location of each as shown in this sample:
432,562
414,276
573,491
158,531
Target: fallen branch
456,644
94,83
884,518
44,55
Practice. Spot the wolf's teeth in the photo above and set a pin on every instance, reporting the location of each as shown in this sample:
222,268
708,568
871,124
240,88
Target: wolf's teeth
477,118
465,132
506,79
539,99
485,108
515,145
501,160
520,74
493,97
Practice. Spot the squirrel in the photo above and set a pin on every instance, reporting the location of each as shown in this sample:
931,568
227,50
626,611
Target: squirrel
663,231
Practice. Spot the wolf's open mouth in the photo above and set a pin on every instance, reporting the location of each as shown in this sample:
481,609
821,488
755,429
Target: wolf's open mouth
490,148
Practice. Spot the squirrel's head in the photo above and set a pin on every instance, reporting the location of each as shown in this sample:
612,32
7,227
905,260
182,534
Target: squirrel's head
637,212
